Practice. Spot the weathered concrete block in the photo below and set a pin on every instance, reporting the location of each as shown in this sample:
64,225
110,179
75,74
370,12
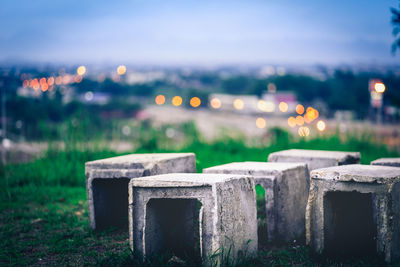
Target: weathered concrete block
286,193
394,162
315,158
192,214
108,179
354,210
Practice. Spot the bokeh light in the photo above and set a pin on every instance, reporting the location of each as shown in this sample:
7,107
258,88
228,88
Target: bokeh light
299,120
238,104
311,115
261,123
177,101
81,70
292,122
195,102
283,106
321,126
77,78
304,131
121,70
215,103
35,84
160,100
380,87
50,81
44,87
261,105
300,109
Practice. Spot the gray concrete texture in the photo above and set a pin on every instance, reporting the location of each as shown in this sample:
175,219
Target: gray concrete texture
394,162
354,210
286,193
107,182
315,159
196,215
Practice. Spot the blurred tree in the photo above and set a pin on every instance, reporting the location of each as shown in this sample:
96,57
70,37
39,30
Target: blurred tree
396,28
236,85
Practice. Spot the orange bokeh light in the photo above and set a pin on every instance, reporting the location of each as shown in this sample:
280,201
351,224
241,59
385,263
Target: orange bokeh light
311,115
35,84
299,120
300,109
195,102
160,100
121,70
44,87
292,122
283,106
177,101
78,78
50,81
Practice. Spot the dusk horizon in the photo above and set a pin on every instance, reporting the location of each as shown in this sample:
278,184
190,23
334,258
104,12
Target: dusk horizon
183,33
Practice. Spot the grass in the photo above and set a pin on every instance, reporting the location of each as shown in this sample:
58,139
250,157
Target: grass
43,204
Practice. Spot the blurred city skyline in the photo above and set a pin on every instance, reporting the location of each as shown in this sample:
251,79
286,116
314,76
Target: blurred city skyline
191,32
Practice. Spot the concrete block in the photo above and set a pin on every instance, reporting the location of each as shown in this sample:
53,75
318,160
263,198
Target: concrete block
196,215
286,193
315,158
394,162
354,210
107,183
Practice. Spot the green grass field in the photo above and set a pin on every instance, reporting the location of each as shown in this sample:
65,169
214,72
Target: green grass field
43,205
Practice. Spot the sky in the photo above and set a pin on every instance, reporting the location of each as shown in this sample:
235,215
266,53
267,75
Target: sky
197,32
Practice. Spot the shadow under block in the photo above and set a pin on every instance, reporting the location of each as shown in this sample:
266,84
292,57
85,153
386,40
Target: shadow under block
286,193
394,162
315,159
354,210
193,214
107,182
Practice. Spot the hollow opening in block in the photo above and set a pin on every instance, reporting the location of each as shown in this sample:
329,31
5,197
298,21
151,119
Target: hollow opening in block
110,199
261,216
350,230
173,228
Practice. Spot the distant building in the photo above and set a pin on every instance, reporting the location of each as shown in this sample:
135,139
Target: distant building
282,96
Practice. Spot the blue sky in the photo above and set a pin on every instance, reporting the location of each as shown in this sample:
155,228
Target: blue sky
197,32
